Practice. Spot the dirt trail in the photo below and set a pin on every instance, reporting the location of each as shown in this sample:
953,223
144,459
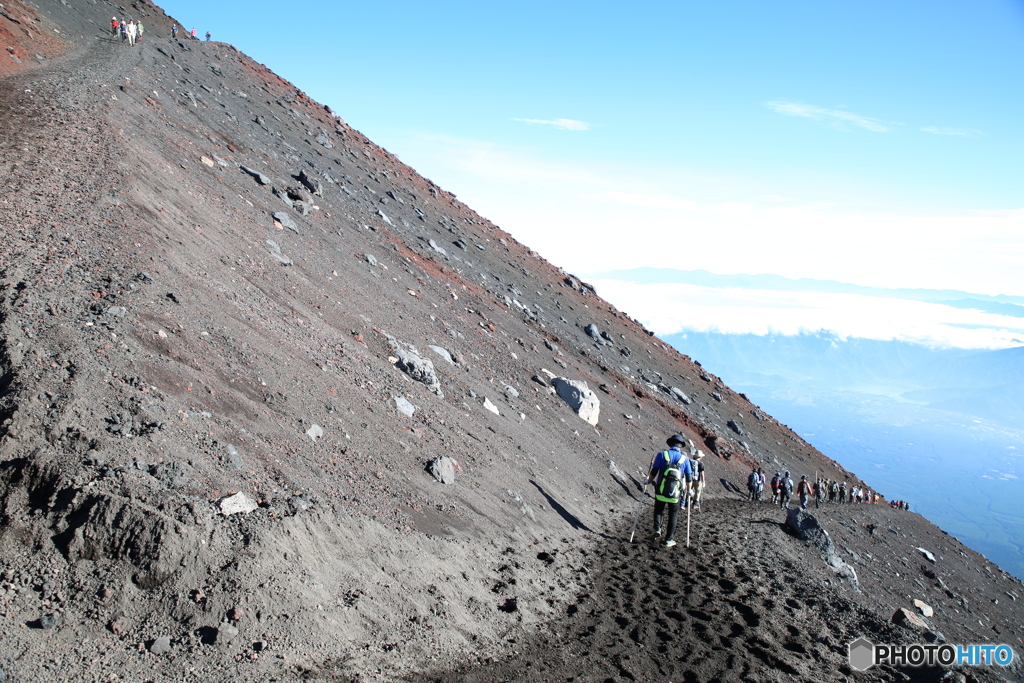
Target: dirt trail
745,602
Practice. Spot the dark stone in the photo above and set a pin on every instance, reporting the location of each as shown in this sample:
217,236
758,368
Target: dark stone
311,183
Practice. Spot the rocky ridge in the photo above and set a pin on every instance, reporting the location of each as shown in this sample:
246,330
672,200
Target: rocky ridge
238,341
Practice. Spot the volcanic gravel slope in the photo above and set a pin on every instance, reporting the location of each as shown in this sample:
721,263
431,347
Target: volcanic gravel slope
177,329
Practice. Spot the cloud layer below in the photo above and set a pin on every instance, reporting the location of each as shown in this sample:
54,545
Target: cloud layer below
671,308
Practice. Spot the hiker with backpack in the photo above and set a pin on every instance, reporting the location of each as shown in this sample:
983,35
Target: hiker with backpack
752,482
785,491
697,467
803,489
670,472
115,25
775,487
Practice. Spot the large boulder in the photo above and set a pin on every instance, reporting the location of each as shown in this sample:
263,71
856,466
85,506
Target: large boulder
806,527
579,397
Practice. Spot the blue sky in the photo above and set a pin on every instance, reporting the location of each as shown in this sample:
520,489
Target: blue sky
877,143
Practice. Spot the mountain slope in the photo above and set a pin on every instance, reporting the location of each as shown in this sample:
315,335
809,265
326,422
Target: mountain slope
212,285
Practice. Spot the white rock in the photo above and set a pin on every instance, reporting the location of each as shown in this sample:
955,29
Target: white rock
924,607
928,556
490,406
237,503
579,397
315,432
404,406
443,468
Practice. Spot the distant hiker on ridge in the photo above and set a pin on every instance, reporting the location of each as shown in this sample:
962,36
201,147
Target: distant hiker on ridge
174,31
207,36
670,470
115,25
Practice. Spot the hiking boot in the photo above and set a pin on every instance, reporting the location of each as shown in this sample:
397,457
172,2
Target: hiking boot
655,536
669,543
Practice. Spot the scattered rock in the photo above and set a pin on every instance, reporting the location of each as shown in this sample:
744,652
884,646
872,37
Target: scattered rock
231,458
239,502
260,178
207,161
369,258
579,397
48,621
443,469
490,406
311,183
680,394
444,353
404,406
927,555
315,432
324,139
616,472
419,368
734,427
161,645
435,247
225,633
286,221
511,391
236,614
120,625
303,207
594,333
925,608
275,251
283,196
904,617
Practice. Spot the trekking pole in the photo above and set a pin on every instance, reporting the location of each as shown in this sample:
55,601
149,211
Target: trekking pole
689,505
640,505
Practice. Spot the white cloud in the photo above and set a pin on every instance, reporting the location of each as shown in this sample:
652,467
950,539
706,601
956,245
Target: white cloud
590,218
672,308
563,124
939,130
834,117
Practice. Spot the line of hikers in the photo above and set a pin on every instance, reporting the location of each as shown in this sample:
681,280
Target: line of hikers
678,481
899,505
822,490
130,31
